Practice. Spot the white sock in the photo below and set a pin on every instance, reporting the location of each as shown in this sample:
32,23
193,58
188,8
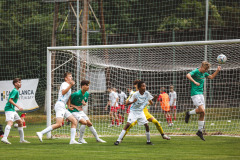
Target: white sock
21,133
200,125
82,130
73,134
7,131
148,136
121,135
92,129
192,112
46,130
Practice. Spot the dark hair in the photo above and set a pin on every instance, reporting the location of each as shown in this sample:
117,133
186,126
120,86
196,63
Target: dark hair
85,82
66,74
162,89
16,80
136,82
140,83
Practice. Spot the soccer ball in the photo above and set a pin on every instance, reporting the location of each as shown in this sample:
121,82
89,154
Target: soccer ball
15,125
221,59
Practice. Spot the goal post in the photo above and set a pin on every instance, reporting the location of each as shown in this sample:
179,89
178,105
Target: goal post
159,65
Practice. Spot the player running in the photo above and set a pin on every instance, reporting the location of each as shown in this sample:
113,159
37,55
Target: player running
61,111
78,100
197,77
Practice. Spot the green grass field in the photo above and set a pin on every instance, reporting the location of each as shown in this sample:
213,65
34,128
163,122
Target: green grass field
179,147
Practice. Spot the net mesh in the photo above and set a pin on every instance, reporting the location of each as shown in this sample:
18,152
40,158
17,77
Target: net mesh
158,67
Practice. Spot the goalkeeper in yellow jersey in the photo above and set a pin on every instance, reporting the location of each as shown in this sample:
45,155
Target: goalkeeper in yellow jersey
149,117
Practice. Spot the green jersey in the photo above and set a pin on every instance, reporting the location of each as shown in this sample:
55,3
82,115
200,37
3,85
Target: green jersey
77,98
14,95
198,77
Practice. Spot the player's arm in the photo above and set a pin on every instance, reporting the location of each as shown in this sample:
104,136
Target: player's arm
116,101
191,79
129,103
64,91
13,103
108,104
215,73
69,104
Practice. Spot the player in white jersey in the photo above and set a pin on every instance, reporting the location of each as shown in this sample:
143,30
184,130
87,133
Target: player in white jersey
173,101
138,100
113,102
61,111
122,97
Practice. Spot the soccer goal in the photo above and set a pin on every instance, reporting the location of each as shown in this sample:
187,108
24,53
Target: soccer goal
159,65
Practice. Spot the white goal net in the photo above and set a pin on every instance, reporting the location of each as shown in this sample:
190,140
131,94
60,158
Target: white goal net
159,65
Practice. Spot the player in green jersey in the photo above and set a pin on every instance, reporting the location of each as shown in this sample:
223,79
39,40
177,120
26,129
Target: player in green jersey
79,99
11,114
197,77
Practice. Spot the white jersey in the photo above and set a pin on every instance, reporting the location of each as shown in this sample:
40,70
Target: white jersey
113,98
64,98
122,96
142,100
172,96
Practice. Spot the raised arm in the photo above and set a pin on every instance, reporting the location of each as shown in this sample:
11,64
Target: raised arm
215,73
64,91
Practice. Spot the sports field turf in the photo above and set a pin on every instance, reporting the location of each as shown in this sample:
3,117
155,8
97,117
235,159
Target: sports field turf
133,147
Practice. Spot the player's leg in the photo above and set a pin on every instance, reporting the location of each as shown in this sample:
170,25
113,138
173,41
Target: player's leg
7,129
123,113
122,133
131,118
83,123
58,124
73,121
166,116
20,131
175,113
148,134
200,110
116,116
94,132
158,126
112,117
128,129
169,118
197,102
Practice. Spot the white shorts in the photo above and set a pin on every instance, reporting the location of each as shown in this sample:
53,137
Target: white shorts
198,100
80,115
61,111
137,115
12,116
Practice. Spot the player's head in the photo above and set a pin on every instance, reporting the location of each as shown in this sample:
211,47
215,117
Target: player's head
205,66
135,83
171,88
162,89
67,76
141,86
114,89
17,82
119,91
85,85
109,89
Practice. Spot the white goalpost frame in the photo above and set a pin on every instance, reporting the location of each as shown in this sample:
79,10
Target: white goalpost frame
144,45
